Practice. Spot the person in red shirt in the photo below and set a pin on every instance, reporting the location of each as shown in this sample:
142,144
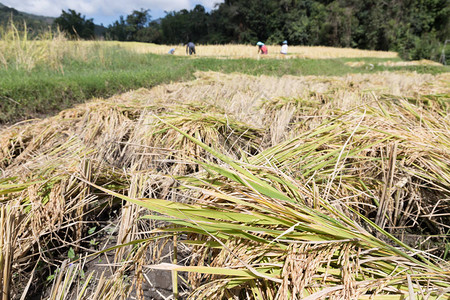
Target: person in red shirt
262,48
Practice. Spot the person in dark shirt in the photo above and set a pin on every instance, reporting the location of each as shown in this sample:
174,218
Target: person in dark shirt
190,47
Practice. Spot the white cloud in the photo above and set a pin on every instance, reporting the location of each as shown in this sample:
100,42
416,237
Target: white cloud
103,8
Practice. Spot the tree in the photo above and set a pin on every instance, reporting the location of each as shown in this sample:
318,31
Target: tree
75,25
117,31
149,34
136,27
184,26
137,21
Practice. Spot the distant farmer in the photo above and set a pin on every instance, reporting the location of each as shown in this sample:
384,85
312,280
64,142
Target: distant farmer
191,48
284,48
171,51
262,48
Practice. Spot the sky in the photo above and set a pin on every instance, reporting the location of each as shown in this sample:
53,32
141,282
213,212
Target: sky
102,11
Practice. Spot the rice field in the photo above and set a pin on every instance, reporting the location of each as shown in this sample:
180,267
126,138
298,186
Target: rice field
250,51
43,75
234,186
17,51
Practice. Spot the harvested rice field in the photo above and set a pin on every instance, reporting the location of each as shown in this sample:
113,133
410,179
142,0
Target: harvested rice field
249,51
232,186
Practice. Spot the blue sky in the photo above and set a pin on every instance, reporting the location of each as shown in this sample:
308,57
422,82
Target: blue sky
105,12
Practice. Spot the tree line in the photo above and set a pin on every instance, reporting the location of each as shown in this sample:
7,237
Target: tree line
414,28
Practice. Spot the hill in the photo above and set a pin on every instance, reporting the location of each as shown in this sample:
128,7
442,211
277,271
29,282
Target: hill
35,23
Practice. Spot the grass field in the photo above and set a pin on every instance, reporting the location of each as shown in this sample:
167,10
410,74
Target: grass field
231,178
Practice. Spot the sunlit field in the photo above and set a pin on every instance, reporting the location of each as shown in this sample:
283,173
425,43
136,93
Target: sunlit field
17,52
248,51
50,73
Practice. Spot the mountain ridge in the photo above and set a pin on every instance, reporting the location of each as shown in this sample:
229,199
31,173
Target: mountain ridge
20,14
34,22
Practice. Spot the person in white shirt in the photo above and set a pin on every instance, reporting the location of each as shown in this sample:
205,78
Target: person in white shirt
284,48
